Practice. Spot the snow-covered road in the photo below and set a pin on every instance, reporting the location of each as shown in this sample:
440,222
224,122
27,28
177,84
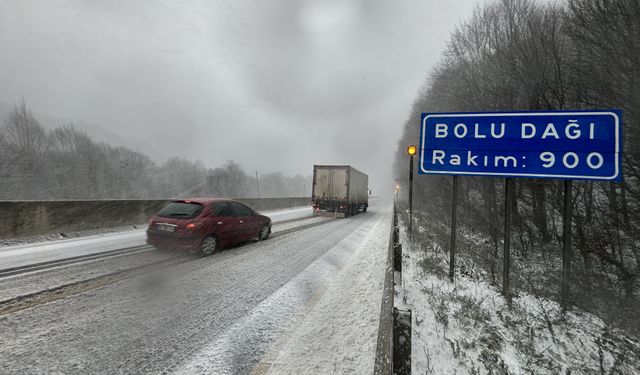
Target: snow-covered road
20,255
219,314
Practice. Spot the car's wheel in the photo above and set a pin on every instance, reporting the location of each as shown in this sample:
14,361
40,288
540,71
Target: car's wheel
209,246
264,232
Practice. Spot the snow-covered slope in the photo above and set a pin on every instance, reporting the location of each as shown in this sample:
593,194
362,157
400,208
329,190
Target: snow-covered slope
466,327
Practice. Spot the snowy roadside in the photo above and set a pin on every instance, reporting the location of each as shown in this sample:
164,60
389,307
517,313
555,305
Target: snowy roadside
48,250
56,237
60,238
339,332
467,326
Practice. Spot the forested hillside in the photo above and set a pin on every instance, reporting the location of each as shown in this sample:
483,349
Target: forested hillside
66,163
527,55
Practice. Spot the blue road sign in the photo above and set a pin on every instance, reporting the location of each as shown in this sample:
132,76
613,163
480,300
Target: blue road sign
581,145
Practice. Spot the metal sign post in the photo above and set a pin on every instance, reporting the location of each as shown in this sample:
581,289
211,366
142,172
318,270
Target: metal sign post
566,243
454,224
411,151
410,196
506,267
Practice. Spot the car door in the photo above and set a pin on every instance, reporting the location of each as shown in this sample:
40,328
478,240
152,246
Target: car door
245,221
252,221
225,223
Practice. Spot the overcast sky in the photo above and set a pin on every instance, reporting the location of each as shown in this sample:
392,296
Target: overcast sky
277,85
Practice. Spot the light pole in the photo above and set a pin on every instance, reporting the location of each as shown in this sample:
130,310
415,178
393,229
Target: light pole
397,190
411,150
257,185
123,164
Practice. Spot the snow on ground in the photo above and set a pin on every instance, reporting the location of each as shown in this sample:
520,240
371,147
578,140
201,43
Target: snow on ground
255,331
160,320
291,224
15,256
467,327
338,334
289,214
29,253
13,242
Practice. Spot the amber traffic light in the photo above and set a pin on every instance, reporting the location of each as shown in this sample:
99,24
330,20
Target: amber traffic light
411,150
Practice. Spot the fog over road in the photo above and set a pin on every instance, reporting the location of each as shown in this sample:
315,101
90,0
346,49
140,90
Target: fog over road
219,314
337,77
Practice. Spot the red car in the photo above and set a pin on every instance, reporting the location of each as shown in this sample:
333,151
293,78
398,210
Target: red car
205,225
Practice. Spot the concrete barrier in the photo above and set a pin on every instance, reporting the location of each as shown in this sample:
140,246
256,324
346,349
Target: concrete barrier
32,218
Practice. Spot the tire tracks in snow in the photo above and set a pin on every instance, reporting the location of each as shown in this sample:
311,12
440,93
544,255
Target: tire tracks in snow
63,291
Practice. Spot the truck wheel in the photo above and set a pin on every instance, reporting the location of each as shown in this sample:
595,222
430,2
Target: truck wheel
364,209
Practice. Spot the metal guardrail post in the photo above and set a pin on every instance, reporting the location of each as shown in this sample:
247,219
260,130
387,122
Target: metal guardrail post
402,341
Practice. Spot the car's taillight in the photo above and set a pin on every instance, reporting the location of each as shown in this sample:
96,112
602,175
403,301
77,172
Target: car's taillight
191,226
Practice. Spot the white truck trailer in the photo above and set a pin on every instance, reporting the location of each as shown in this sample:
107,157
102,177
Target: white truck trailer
339,189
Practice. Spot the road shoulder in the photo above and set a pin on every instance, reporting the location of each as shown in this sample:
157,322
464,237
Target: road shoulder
339,333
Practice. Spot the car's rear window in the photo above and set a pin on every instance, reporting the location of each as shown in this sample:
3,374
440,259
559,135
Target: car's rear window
181,210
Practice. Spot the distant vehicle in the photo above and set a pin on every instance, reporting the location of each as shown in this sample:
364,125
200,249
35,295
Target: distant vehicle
206,224
339,189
